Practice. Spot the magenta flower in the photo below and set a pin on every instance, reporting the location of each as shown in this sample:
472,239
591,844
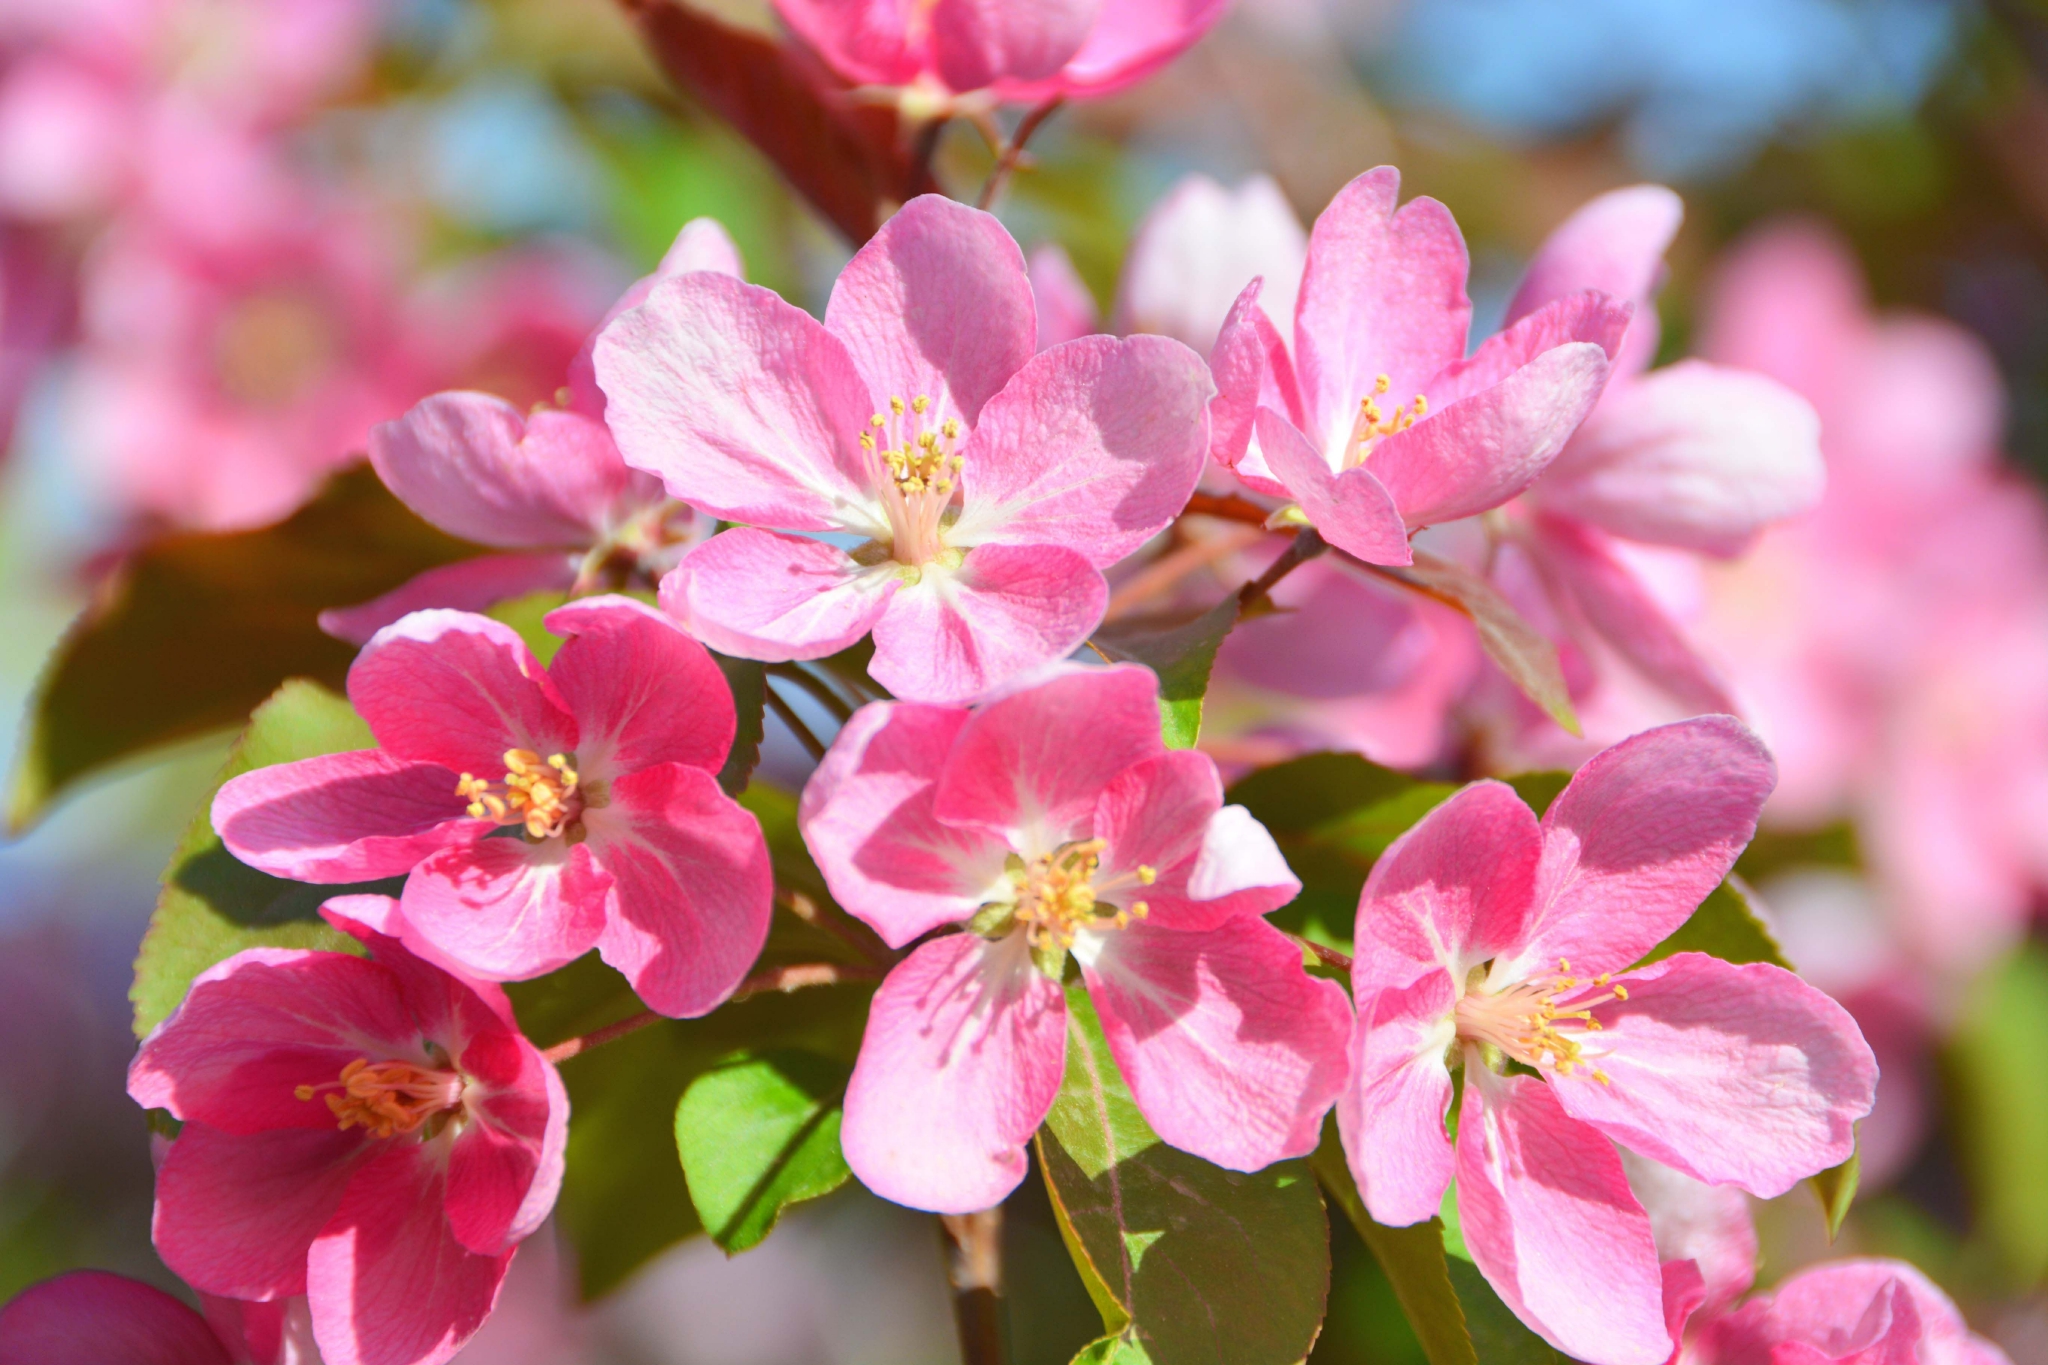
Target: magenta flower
934,53
1856,1312
1488,939
602,768
373,1133
92,1315
548,485
988,485
1047,823
1378,424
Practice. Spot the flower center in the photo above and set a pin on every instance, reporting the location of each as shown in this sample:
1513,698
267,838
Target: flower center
1528,1021
542,797
916,472
387,1098
1056,896
1372,422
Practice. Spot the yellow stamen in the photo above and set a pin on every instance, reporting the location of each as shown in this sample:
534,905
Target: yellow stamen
541,797
387,1098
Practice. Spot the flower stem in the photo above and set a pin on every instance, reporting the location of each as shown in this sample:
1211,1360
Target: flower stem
1013,150
816,686
788,716
841,926
575,1047
1229,507
1327,954
973,1243
1305,546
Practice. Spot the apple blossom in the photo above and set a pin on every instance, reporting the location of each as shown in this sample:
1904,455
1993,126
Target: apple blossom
1487,938
1855,1312
1377,423
372,1133
97,1316
988,483
1048,823
603,766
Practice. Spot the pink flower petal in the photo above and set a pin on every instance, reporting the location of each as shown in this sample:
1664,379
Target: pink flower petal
1739,1075
1094,446
1008,608
475,467
1383,293
255,1027
1614,243
1645,830
506,909
1708,1226
1590,317
1580,567
91,1315
1252,370
936,304
1353,510
1197,248
1478,452
1239,870
459,690
346,817
505,1169
1066,307
975,44
963,1053
1210,863
1685,1293
388,1282
745,406
759,595
1847,1307
1549,1220
446,1001
235,1214
1391,1111
1042,755
1692,455
642,691
1231,1050
702,244
866,816
466,585
1450,892
691,887
1131,40
866,43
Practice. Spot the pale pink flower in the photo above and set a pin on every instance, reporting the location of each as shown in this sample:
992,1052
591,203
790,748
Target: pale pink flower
1854,1312
1707,1225
93,1315
1196,249
989,483
605,764
1066,308
1046,823
373,1133
1486,937
1377,423
1023,51
546,485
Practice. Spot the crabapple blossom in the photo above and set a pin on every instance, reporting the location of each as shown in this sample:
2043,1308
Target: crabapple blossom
1046,824
94,1315
1855,1312
373,1133
958,56
1505,945
1377,423
1198,247
603,768
988,483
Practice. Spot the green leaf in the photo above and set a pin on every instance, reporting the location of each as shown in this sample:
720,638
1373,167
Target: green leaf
1412,1257
212,905
2000,1092
1517,648
1725,926
1183,658
1538,790
1186,1262
1836,1188
757,1134
1498,1336
528,616
748,680
1118,1348
196,630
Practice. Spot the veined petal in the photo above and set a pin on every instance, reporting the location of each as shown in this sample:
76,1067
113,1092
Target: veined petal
457,689
1589,317
1732,1074
1231,1050
1549,1219
867,817
1450,892
1198,247
975,44
1707,1225
642,691
345,817
236,1213
1613,243
760,595
93,1315
1252,370
1352,510
1131,39
866,43
1066,309
964,1048
505,1168
506,909
961,633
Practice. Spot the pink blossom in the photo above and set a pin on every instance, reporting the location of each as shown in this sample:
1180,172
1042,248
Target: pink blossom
1053,821
92,1315
547,485
372,1133
934,54
1066,308
1854,1312
604,763
990,484
1377,423
1707,1225
1486,936
1197,248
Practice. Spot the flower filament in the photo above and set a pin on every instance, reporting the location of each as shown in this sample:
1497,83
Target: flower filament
916,471
1528,1020
1373,422
387,1098
541,797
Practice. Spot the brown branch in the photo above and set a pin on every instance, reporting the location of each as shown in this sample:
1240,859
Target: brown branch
973,1244
797,976
1328,955
788,716
840,927
1013,151
1302,549
1230,507
575,1047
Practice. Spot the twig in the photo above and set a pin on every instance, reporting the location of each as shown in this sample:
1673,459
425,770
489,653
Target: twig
973,1244
1326,954
1303,548
1229,507
1176,564
797,976
1098,651
788,716
808,910
819,689
1013,151
575,1047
